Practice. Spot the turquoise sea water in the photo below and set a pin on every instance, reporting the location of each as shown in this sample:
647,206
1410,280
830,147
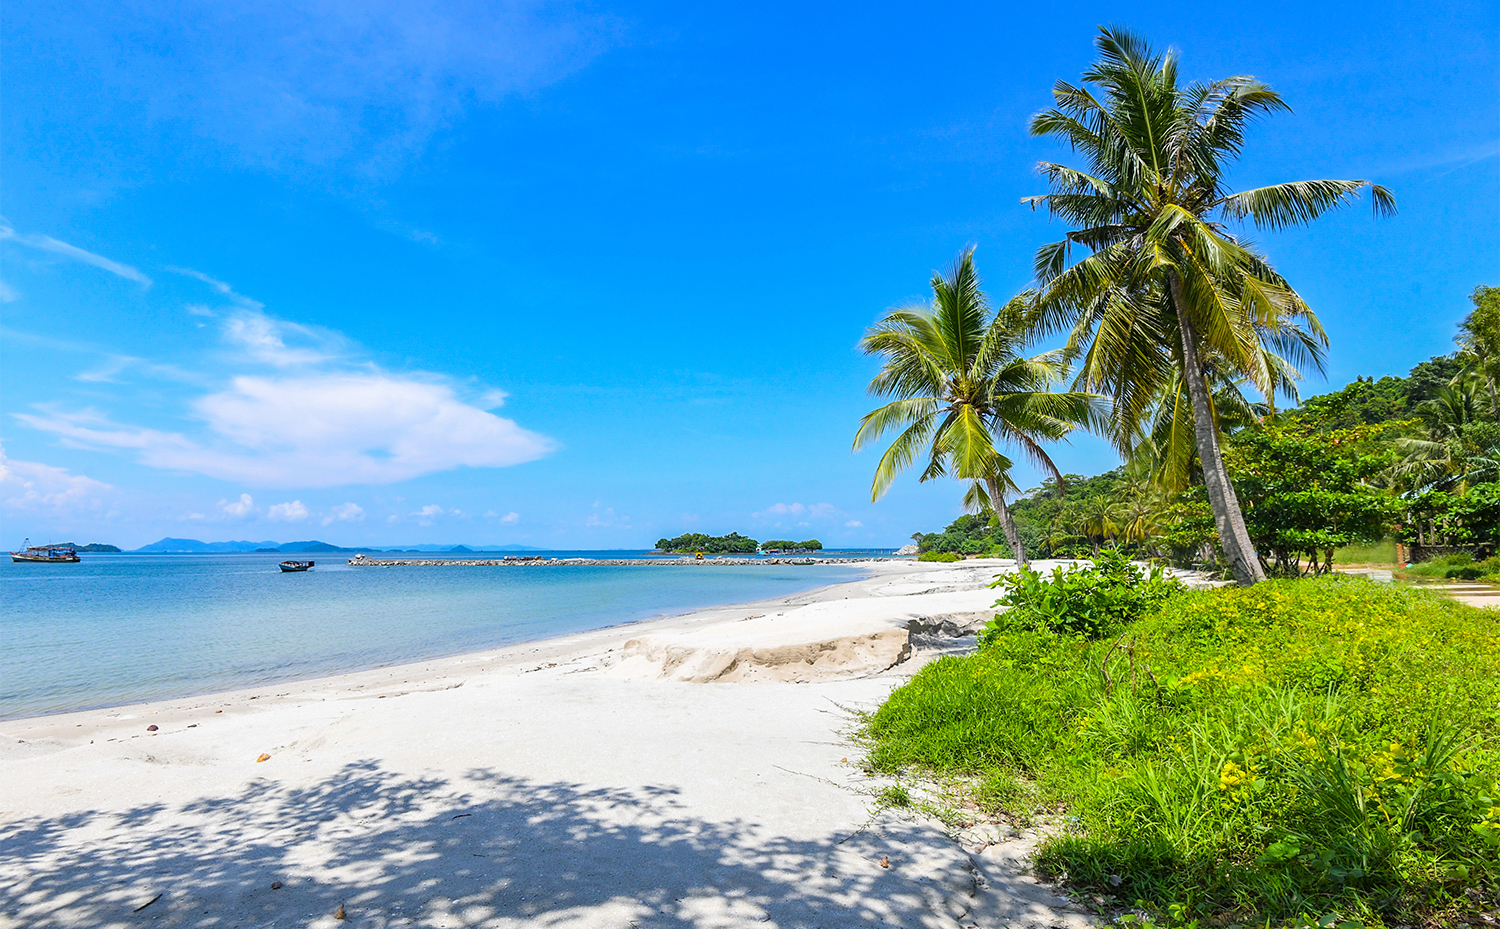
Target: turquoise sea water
120,629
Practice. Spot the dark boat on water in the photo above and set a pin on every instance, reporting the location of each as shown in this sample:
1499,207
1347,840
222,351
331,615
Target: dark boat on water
45,554
296,565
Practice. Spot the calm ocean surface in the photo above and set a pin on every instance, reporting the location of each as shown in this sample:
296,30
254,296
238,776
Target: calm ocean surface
120,629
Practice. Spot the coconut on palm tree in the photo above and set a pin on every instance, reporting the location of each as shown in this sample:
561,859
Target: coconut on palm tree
963,391
1165,289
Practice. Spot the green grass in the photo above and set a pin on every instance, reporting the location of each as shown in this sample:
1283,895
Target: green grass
1459,567
1382,552
1287,752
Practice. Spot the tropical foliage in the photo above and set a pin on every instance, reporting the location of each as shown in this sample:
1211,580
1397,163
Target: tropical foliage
964,391
1337,471
1309,750
1271,755
1091,600
787,545
1166,302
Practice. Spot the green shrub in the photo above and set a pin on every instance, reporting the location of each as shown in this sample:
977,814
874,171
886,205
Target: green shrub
1089,600
1317,746
1457,566
940,556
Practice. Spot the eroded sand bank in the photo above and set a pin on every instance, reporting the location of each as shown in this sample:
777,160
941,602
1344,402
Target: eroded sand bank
597,780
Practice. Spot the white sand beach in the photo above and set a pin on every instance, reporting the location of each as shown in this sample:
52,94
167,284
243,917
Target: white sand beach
691,771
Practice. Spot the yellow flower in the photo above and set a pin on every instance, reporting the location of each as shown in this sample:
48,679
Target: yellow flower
1232,776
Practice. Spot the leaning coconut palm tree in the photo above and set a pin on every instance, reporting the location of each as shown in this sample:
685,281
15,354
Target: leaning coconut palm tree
1165,288
963,390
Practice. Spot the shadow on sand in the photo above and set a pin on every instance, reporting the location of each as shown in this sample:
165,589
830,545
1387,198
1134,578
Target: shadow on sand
482,850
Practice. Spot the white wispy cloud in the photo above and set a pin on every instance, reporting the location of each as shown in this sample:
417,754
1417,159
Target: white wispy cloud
263,339
323,430
292,512
240,508
344,512
798,511
105,373
605,517
853,524
322,418
46,243
427,514
289,86
511,518
8,293
227,291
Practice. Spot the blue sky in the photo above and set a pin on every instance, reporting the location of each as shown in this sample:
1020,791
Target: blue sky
583,275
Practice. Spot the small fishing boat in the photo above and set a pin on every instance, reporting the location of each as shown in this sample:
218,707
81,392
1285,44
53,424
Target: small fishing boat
45,554
296,565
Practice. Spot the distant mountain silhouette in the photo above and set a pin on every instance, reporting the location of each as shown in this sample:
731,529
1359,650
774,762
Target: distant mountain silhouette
197,547
313,546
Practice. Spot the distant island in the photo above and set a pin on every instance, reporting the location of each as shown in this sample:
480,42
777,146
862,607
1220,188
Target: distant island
787,545
91,547
732,544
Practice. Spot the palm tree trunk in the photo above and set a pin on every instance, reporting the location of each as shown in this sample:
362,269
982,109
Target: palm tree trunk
1233,536
1007,524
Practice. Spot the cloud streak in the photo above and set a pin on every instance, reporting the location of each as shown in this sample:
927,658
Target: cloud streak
263,339
46,243
220,287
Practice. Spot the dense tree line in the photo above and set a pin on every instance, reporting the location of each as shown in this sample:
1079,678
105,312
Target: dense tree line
732,544
787,545
1415,456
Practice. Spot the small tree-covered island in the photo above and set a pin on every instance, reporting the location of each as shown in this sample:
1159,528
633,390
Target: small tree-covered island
693,542
732,544
787,545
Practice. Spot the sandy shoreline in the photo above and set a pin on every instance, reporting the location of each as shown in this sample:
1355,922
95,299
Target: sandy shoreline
591,780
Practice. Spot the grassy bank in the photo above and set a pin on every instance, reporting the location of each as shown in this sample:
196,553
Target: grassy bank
1460,567
1378,553
1288,752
